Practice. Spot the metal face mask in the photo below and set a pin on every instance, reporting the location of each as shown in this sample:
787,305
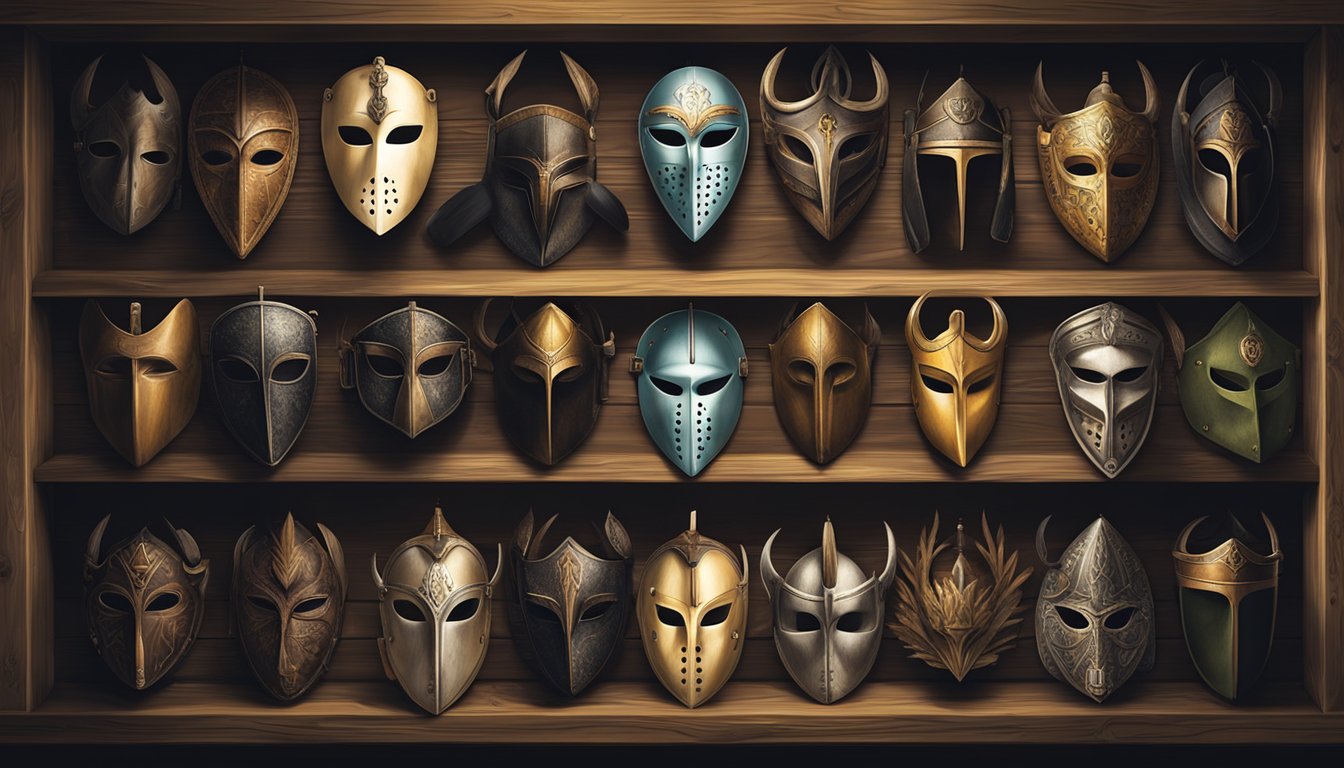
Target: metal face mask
960,125
1239,385
692,611
540,189
1094,618
828,150
550,378
827,616
128,149
1229,596
145,601
263,360
380,129
143,387
243,141
1107,362
821,372
693,137
288,600
1099,164
411,368
434,600
957,380
1225,164
572,603
690,366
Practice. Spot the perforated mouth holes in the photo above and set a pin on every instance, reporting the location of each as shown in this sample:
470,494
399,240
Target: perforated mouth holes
371,194
672,186
709,187
1093,428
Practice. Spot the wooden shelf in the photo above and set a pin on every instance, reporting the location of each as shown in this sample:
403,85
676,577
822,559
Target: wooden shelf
641,712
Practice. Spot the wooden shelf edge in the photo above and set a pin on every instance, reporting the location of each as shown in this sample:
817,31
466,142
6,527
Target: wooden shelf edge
567,281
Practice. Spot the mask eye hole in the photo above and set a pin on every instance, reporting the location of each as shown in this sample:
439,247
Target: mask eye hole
115,601
1215,162
115,367
850,622
717,138
464,610
289,371
104,149
841,372
668,138
435,366
1080,166
803,372
806,622
716,616
670,617
1130,374
312,605
354,135
1271,379
164,602
1089,375
856,145
267,157
1125,170
570,374
981,385
1224,379
263,603
384,366
597,611
1249,162
405,134
408,610
155,157
713,385
527,374
797,149
1120,619
236,370
1072,618
216,157
936,385
665,386
157,366
541,613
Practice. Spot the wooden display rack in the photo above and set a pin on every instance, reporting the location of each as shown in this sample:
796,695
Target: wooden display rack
374,488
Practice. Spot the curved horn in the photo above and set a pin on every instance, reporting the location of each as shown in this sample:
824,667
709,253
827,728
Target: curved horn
768,89
522,535
1041,550
377,580
1182,539
1182,96
1152,103
1000,331
494,93
583,83
1045,109
769,576
745,567
879,99
479,321
830,556
238,548
161,82
499,566
337,553
95,544
617,535
80,106
191,552
1273,535
889,572
914,333
1275,97
541,534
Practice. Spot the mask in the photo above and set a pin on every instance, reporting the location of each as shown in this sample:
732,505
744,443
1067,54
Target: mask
960,125
827,149
827,616
821,372
1099,165
1223,150
263,359
243,137
411,368
143,387
1228,594
434,600
693,134
690,367
540,190
572,604
380,129
1094,618
1107,362
958,605
288,599
550,378
692,611
145,601
956,381
127,149
1239,385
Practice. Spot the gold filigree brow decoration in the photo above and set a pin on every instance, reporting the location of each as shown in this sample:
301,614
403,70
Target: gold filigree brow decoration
696,110
377,81
958,623
288,559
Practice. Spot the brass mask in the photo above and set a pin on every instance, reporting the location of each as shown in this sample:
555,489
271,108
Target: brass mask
550,374
380,129
827,149
692,611
142,387
243,141
956,381
1099,165
821,372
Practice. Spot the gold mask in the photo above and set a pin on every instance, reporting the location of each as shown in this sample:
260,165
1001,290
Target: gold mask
380,129
143,387
692,611
1099,165
821,374
956,381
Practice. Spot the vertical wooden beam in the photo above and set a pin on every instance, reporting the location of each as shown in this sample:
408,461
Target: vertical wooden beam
26,631
1323,363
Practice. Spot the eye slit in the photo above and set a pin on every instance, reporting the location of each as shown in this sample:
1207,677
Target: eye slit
667,137
850,622
570,374
1228,380
405,134
464,610
157,366
840,372
155,157
115,601
1249,162
408,610
1215,162
104,149
806,622
267,157
1130,374
665,386
354,135
1119,619
937,385
384,366
117,367
803,372
1072,618
1125,170
855,145
311,605
234,369
216,157
289,371
541,613
798,149
716,616
435,366
717,138
1080,166
1089,375
263,603
164,602
981,385
527,374
597,611
1271,379
670,617
713,385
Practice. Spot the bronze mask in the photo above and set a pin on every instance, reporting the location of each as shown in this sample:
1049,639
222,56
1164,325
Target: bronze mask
145,601
243,137
143,387
288,600
821,372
